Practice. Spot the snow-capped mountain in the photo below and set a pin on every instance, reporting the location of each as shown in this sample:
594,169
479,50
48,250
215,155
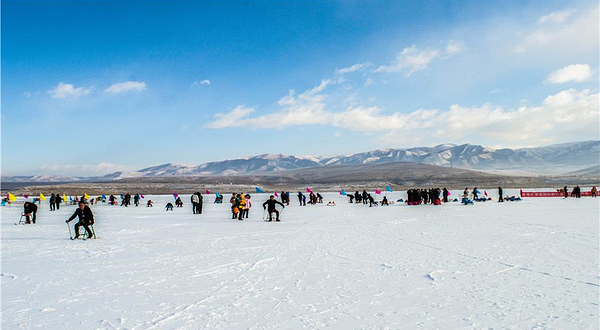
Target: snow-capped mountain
553,159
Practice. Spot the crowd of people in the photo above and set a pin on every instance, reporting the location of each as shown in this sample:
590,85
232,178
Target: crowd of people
241,203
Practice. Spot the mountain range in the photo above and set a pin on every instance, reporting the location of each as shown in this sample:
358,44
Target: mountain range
549,160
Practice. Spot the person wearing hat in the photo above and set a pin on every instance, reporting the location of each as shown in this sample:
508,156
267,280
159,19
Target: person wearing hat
269,205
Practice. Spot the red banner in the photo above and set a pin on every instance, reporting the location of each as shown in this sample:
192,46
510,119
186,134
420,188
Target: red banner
550,193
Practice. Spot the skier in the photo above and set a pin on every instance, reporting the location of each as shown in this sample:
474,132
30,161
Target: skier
57,201
29,210
271,203
364,197
384,201
566,192
169,207
351,197
475,193
594,191
445,194
500,198
136,200
86,218
149,203
300,196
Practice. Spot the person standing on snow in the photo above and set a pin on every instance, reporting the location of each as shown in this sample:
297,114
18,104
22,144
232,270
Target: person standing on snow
195,201
269,205
248,206
566,192
86,218
500,198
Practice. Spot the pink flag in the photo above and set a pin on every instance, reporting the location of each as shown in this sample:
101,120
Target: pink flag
378,192
308,189
448,192
485,192
142,196
276,194
207,191
175,195
26,196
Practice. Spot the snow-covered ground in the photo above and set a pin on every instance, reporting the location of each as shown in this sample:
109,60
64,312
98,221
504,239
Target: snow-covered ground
517,265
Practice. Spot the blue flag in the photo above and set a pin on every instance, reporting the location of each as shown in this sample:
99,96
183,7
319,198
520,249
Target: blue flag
388,188
258,190
342,192
103,196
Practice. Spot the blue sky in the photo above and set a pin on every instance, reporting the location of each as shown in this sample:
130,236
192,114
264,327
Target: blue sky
91,87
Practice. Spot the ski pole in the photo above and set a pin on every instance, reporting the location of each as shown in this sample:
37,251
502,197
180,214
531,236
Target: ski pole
264,210
70,235
93,231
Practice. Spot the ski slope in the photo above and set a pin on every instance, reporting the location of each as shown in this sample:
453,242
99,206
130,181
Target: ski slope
515,265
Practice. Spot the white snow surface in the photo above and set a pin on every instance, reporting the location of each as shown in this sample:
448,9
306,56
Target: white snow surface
515,265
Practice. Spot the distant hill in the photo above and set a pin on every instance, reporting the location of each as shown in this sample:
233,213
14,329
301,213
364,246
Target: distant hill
548,160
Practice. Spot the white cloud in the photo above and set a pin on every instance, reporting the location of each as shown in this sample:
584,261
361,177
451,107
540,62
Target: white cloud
126,86
355,67
556,17
203,82
410,60
369,82
98,169
66,91
455,47
560,117
571,73
574,35
234,118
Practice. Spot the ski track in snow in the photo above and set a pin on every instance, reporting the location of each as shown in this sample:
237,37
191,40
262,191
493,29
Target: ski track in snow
522,265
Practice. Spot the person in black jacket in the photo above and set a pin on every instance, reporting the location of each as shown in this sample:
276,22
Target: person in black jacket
29,210
86,218
500,197
271,203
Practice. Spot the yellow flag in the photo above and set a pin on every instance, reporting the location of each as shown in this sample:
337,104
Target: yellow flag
86,196
12,197
42,197
64,198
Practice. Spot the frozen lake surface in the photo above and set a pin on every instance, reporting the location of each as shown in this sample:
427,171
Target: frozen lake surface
516,265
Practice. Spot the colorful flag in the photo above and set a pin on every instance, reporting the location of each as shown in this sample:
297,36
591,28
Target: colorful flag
207,191
26,196
388,188
12,197
217,194
377,191
175,195
64,198
42,197
86,196
485,192
276,194
142,196
343,193
103,196
259,191
308,190
448,192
